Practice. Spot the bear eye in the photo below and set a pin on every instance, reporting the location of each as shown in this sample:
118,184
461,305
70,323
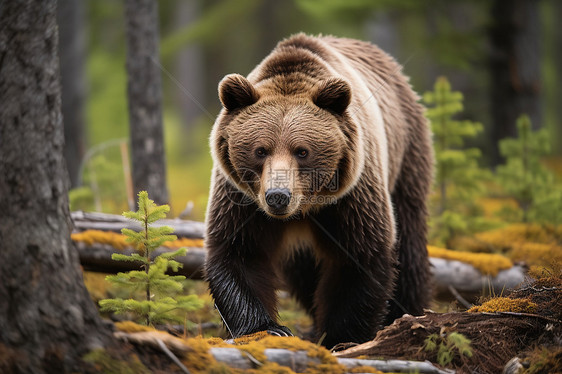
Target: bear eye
302,153
261,152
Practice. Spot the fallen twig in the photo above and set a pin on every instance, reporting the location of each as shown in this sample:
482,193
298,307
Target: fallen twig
172,356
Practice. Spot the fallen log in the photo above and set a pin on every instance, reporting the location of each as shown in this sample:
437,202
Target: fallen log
446,273
450,276
298,361
97,258
113,222
468,280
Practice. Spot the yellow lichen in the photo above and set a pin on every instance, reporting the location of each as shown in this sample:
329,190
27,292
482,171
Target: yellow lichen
184,242
200,358
90,237
96,285
252,337
505,304
215,342
503,239
543,359
271,368
470,244
117,240
547,272
530,243
537,253
256,344
487,263
492,205
332,368
364,369
130,327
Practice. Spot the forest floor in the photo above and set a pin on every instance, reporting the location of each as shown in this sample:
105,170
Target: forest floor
525,324
522,325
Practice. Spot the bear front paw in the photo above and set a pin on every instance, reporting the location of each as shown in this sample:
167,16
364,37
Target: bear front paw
278,330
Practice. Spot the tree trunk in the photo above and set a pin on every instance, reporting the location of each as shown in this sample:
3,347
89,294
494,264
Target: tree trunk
144,89
47,320
72,51
557,127
514,67
189,69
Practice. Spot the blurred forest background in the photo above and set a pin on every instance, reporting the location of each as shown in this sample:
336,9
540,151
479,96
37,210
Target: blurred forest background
504,56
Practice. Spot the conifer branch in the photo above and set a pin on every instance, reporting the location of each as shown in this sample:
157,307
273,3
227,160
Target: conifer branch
158,305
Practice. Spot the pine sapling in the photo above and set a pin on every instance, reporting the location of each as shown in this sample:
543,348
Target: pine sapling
158,287
448,345
522,176
458,177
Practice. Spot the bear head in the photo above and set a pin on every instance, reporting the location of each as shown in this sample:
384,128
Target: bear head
288,153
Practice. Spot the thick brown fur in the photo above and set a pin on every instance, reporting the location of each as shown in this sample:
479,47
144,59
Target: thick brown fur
332,126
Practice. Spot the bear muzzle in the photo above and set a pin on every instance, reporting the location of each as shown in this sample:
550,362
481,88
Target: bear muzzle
278,200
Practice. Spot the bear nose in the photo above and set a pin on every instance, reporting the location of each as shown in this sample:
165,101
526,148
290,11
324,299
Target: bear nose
278,198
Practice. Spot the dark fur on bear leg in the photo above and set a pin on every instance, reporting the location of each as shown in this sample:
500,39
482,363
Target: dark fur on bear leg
350,302
301,274
413,288
347,314
237,268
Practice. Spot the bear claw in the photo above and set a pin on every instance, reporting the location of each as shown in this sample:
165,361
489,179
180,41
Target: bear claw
279,331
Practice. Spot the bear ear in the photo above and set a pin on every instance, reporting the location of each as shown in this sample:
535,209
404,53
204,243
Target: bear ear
333,94
236,92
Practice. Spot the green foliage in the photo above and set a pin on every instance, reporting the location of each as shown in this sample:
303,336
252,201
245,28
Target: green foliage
354,10
103,188
524,178
106,110
158,306
547,206
448,345
458,178
208,28
81,198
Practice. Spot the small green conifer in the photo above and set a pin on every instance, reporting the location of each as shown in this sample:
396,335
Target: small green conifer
458,177
524,178
158,306
448,345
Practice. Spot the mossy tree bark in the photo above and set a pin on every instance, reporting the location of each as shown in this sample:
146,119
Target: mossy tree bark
47,320
144,88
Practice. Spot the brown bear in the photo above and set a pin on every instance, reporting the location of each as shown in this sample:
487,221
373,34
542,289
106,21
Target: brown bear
322,165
